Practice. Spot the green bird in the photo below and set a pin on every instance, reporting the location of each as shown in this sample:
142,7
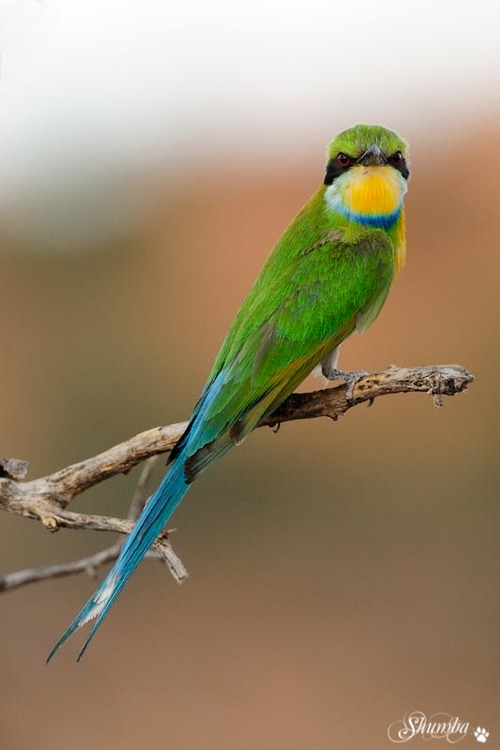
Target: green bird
328,275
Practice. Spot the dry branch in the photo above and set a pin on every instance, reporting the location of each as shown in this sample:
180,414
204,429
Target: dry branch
45,499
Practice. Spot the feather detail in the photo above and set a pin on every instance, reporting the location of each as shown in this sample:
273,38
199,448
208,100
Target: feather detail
400,243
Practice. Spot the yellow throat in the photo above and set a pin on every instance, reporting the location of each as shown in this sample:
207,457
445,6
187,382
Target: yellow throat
373,197
372,191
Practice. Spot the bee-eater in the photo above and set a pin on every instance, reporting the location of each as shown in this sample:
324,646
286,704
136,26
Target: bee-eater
327,276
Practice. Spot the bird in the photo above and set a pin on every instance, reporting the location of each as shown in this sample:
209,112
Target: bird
328,276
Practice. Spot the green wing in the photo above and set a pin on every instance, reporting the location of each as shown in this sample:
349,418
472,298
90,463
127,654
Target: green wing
297,312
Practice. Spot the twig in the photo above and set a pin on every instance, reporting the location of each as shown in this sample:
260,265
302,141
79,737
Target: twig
141,489
45,499
89,565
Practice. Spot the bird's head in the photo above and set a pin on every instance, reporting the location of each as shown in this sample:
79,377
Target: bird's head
367,175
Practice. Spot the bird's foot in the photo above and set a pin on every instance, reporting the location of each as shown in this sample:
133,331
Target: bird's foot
349,377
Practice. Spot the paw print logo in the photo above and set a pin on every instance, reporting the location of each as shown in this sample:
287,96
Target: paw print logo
481,734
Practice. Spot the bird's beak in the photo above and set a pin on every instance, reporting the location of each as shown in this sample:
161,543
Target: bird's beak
372,157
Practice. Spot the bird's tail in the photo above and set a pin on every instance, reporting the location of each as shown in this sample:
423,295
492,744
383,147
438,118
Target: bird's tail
152,520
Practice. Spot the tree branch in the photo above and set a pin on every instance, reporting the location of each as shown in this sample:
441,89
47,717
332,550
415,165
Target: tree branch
45,499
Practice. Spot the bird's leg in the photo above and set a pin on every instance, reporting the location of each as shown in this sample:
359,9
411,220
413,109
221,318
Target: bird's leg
330,372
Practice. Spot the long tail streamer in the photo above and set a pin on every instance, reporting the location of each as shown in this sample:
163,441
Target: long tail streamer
154,517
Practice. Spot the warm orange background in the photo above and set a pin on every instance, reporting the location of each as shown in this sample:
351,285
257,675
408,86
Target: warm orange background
341,574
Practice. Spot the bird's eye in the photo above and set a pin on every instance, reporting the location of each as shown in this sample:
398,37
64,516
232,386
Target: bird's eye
396,159
343,160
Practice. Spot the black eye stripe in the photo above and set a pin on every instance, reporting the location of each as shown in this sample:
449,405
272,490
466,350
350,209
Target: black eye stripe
334,170
403,168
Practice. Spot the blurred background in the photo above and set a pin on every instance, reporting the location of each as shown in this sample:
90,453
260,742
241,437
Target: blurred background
342,574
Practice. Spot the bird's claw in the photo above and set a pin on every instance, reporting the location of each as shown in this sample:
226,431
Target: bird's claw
349,377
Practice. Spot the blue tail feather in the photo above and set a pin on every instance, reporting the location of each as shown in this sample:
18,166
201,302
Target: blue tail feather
152,520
